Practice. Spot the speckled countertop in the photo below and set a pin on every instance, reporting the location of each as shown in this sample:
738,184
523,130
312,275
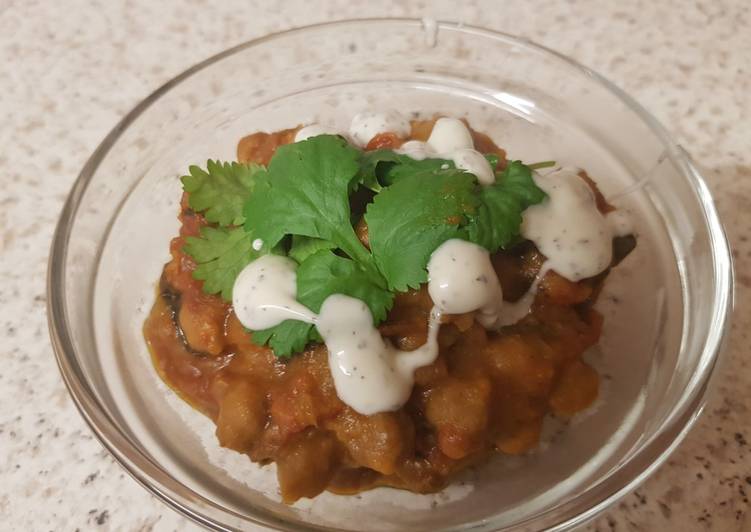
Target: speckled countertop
72,69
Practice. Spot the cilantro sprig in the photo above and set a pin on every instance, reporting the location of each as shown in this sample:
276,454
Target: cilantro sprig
499,215
221,255
306,192
300,207
319,276
221,190
409,219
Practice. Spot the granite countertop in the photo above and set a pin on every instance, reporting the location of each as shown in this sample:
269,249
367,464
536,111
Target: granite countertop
72,69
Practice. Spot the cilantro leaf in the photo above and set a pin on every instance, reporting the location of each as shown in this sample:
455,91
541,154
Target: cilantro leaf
387,166
306,192
221,254
221,190
286,339
369,161
499,215
324,273
409,219
319,276
304,246
384,167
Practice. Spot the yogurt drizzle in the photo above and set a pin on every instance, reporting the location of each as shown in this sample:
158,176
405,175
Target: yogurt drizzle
264,294
370,374
461,279
568,228
451,139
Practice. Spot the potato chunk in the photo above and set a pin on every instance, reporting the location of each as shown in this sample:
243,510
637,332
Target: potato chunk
376,441
459,410
576,389
306,464
242,416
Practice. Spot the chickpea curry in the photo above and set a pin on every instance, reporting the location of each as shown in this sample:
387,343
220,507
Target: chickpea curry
275,394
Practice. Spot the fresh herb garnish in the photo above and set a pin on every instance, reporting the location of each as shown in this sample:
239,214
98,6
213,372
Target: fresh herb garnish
221,255
287,338
499,215
408,220
304,246
324,273
388,166
306,192
319,276
221,190
300,206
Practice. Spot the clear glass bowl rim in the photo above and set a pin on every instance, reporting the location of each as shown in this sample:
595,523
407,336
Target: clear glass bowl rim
159,482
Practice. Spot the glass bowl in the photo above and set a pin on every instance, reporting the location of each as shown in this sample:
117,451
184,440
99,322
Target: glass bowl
666,307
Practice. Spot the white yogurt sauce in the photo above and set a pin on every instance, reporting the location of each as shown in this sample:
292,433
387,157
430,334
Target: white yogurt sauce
365,126
451,139
370,374
567,227
313,130
416,150
516,311
449,134
475,163
461,279
264,294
